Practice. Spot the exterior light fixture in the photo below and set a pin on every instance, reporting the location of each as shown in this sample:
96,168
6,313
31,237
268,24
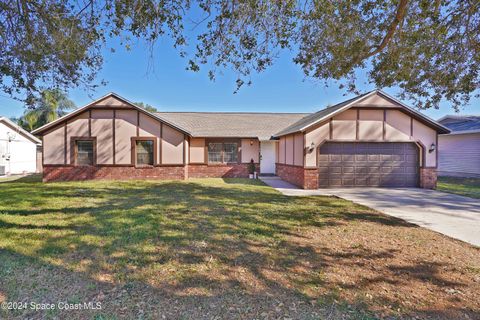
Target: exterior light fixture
432,148
312,147
251,142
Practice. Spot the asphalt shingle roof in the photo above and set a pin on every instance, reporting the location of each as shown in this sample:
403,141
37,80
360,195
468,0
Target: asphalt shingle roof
461,123
231,124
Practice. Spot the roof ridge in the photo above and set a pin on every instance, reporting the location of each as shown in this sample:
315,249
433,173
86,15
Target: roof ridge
233,112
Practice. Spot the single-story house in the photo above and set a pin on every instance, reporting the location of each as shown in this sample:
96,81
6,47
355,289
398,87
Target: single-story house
459,150
370,140
18,149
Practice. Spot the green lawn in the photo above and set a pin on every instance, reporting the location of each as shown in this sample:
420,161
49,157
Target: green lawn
221,249
469,187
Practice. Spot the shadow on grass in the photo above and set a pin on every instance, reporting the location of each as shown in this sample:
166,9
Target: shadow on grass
184,244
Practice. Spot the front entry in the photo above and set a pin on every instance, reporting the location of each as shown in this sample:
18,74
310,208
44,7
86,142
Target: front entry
267,157
368,164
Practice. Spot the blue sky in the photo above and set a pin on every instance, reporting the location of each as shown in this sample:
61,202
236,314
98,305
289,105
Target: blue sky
169,87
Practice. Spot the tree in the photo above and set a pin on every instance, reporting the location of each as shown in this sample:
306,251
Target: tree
146,106
430,49
51,105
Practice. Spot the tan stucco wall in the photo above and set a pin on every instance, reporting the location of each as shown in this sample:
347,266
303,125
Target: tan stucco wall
172,146
53,146
197,150
125,128
370,125
316,136
290,149
281,150
376,101
102,128
76,127
298,149
112,102
344,125
102,124
397,128
427,136
250,151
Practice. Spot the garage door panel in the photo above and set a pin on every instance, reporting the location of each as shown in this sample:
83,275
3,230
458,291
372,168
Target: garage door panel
368,164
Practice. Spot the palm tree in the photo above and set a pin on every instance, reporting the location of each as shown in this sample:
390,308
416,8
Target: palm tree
30,119
51,105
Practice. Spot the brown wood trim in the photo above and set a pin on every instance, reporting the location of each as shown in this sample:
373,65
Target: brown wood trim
89,123
436,150
118,165
184,147
411,128
293,148
384,124
357,126
113,135
160,160
330,128
189,149
138,123
65,143
423,154
73,150
133,151
285,149
304,149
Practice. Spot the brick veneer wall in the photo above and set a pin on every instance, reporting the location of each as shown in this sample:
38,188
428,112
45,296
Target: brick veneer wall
71,173
219,171
428,178
293,174
310,178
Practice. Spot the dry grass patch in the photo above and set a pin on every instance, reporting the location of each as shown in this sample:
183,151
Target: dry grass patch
223,248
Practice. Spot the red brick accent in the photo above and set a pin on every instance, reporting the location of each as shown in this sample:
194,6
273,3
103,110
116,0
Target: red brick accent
306,178
310,179
219,171
428,178
70,173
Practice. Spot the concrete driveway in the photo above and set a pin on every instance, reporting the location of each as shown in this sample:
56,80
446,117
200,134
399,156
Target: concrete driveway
452,215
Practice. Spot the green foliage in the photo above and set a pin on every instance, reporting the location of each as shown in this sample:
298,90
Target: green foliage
429,49
146,106
51,105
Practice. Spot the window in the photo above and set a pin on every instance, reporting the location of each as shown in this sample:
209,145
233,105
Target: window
222,152
84,152
144,150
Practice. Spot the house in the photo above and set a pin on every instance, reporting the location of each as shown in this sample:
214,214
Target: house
18,149
370,140
459,150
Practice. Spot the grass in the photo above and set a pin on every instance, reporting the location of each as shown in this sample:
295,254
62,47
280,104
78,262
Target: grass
469,187
225,249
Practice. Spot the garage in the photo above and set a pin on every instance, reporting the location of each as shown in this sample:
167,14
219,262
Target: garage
368,164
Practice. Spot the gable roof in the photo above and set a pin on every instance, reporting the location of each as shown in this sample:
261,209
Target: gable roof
232,124
461,124
20,130
329,112
70,115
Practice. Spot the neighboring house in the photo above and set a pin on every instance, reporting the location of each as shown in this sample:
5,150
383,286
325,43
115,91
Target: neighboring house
18,149
459,151
371,140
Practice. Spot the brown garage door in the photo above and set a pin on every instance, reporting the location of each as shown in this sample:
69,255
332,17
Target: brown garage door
372,164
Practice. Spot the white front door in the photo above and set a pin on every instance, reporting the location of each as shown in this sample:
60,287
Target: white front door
267,157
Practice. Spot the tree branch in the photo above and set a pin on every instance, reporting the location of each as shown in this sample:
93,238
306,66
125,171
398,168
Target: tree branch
401,11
